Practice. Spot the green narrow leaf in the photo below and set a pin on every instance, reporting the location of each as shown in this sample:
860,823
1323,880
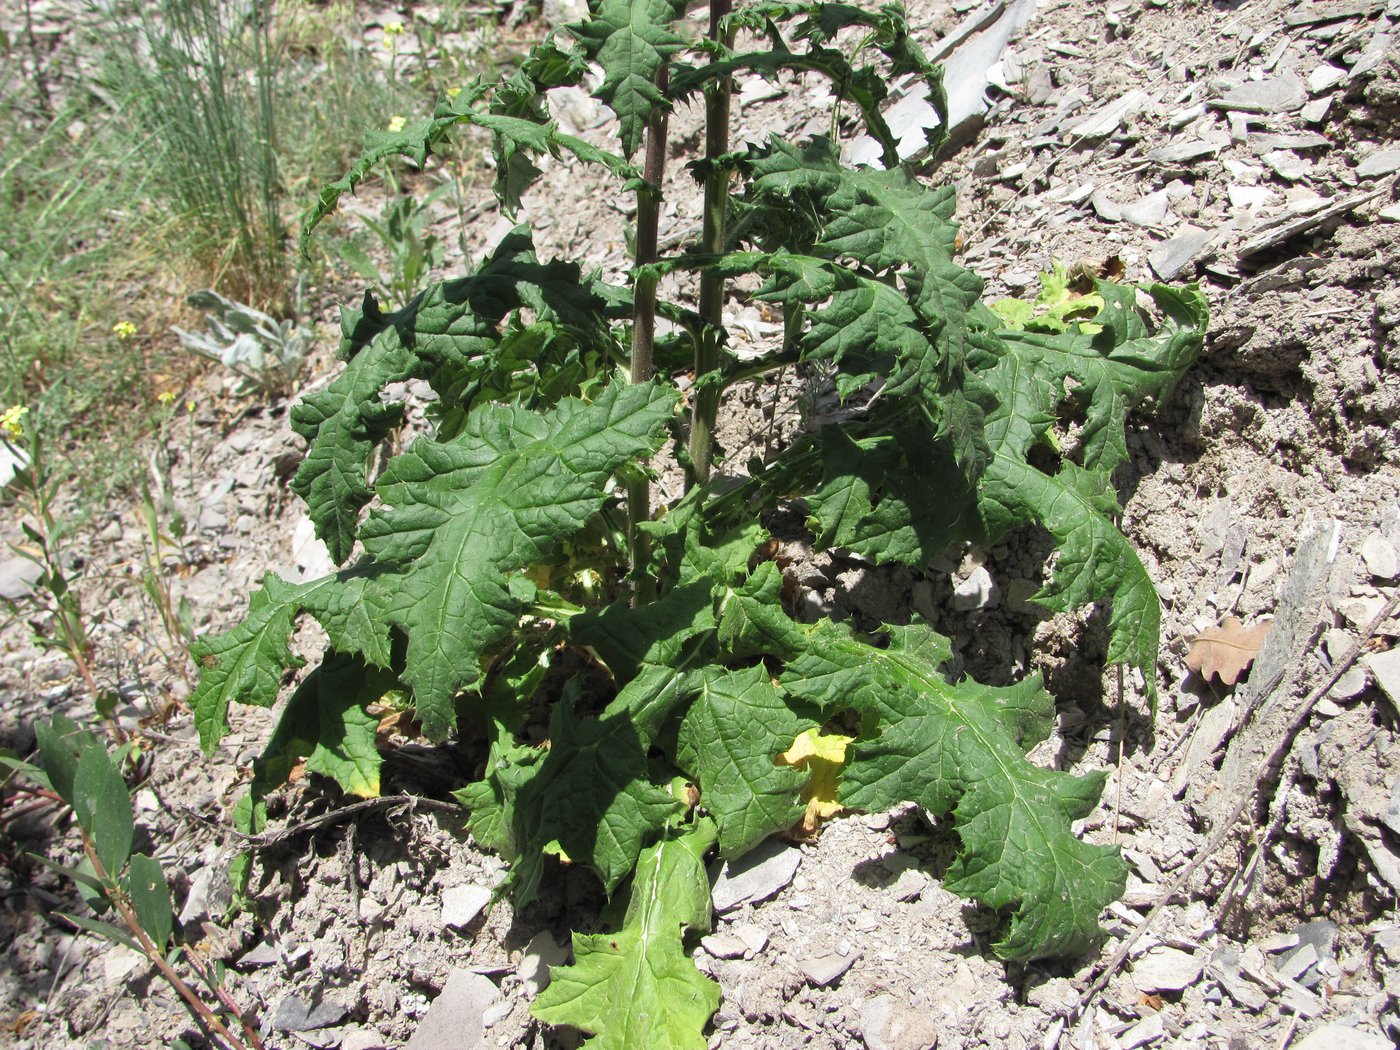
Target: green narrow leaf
102,804
150,898
636,987
731,734
959,748
61,743
104,930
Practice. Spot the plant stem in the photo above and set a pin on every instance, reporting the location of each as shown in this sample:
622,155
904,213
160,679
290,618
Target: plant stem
201,1010
706,407
644,326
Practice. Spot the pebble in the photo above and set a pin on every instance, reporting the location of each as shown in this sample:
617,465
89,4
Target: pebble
454,1020
724,946
1315,112
755,876
1383,162
823,970
294,1014
1183,151
462,904
755,938
18,578
1167,970
539,955
978,591
362,1037
264,953
1325,77
910,885
1386,669
1249,196
1147,211
1381,558
1287,165
1146,1031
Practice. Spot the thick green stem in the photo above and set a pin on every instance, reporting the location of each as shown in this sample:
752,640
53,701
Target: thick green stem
644,326
707,395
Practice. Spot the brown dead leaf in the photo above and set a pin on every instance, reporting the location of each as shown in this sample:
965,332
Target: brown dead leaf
1227,650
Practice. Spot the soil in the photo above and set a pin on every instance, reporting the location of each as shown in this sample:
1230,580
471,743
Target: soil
1268,485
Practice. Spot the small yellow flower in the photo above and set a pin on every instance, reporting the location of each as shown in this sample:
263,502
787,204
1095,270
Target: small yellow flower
124,330
165,397
391,30
453,92
12,421
190,406
397,123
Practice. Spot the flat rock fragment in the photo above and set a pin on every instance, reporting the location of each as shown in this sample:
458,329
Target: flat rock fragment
542,953
1385,667
822,970
1167,970
1281,94
297,1014
755,876
1148,211
1382,162
454,1021
18,578
1381,558
462,904
1172,256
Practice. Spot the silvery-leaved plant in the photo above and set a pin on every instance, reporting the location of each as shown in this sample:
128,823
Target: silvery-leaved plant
511,563
266,354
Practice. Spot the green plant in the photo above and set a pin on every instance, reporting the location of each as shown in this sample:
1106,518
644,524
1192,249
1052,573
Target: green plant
76,770
62,625
267,354
412,252
496,573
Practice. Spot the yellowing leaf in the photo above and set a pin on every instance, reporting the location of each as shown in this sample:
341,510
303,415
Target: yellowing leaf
1227,650
823,755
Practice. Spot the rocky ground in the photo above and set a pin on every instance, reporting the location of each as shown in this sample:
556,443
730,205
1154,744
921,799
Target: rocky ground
1252,147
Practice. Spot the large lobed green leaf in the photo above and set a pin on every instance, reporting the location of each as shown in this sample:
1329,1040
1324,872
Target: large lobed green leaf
632,40
637,987
959,748
458,517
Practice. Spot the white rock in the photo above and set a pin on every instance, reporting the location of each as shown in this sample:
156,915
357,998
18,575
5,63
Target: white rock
462,904
118,963
1167,970
755,938
1325,77
1381,558
1351,684
978,591
1249,196
1148,211
1342,1037
1386,668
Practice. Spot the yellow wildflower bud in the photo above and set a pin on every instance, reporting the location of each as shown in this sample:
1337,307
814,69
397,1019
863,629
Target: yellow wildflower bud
124,330
165,397
397,123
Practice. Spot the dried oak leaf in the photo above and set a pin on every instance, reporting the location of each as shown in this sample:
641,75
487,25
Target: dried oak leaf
1227,650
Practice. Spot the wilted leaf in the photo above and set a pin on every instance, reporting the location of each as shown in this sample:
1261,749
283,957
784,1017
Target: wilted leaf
1227,650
